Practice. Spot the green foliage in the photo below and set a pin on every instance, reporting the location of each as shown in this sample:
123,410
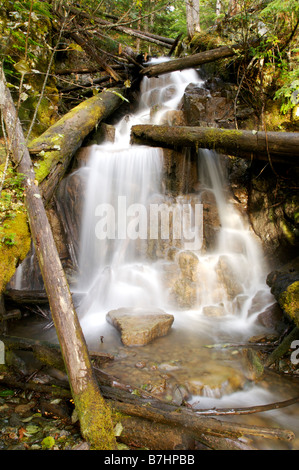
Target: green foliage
288,94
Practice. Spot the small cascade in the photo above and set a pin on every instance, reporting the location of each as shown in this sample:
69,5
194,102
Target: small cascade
125,258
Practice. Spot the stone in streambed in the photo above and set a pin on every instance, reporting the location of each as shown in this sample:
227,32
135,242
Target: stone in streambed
140,326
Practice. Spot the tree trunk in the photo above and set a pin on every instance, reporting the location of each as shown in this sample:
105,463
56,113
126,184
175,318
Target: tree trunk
192,17
94,415
281,146
218,8
56,147
192,61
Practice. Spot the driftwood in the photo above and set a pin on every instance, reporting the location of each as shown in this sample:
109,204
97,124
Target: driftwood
281,147
56,147
93,413
191,61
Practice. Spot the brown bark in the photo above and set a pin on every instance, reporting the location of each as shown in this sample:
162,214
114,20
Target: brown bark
192,61
94,417
280,147
196,425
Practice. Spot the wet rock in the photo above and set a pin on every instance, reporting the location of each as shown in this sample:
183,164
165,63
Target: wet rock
105,133
227,277
211,221
222,380
185,293
272,317
254,369
173,118
188,262
140,326
214,311
201,105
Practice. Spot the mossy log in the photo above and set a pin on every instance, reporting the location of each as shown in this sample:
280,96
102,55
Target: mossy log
280,147
54,149
94,414
191,61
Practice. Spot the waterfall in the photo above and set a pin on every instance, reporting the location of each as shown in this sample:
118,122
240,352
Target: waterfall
124,182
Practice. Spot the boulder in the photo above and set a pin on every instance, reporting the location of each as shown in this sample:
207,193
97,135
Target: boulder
210,107
140,326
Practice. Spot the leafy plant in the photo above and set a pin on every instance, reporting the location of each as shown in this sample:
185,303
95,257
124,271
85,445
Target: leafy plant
288,94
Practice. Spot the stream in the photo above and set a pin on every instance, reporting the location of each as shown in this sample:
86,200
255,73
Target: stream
216,292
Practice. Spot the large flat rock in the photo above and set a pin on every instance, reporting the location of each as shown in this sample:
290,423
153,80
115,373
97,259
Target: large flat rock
140,326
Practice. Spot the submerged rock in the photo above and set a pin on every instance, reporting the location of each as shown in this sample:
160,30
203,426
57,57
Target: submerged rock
216,382
140,326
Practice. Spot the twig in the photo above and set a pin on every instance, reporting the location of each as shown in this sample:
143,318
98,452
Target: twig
248,410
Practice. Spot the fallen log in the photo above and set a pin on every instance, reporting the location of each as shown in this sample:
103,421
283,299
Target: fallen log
144,35
281,147
192,61
93,413
196,425
185,425
93,54
56,147
26,296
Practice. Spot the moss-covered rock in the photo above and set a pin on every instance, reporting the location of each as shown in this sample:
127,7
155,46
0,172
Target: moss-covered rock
285,288
14,246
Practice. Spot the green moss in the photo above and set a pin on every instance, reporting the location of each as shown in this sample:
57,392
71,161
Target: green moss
215,138
289,301
14,246
95,419
288,232
204,41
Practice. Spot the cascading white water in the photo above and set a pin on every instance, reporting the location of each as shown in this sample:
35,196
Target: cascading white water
236,247
115,270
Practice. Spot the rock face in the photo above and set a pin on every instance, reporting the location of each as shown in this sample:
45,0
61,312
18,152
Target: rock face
139,326
202,107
